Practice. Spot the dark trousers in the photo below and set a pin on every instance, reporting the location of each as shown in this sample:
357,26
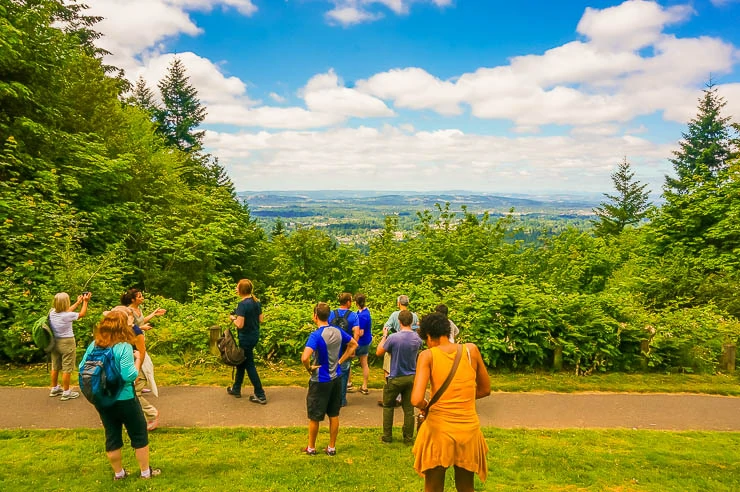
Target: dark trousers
251,370
345,380
401,385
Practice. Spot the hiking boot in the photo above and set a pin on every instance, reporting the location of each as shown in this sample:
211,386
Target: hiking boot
256,399
330,452
56,392
309,452
125,474
153,472
235,394
386,440
70,396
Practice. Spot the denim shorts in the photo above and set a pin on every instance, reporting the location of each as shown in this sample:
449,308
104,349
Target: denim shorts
362,350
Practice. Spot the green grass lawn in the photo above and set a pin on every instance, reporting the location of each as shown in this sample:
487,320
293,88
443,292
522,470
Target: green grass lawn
270,460
208,372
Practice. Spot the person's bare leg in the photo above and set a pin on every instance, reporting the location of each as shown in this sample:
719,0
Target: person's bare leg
313,432
365,370
464,480
116,461
54,378
333,431
434,479
142,456
65,381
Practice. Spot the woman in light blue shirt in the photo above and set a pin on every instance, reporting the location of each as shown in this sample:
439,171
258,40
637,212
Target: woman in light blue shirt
114,331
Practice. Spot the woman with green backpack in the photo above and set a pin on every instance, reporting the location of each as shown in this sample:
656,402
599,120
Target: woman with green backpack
64,350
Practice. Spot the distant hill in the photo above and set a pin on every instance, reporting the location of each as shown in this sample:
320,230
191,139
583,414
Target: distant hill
419,200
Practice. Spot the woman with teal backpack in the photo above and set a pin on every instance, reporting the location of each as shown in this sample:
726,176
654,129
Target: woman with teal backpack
114,331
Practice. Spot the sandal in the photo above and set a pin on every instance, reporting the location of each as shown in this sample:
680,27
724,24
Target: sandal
364,391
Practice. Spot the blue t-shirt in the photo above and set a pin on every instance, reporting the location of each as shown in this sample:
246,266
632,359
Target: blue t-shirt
352,319
404,349
366,326
328,344
250,310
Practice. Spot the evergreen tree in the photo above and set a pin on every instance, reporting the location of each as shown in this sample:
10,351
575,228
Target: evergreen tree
182,111
628,206
278,229
143,97
705,148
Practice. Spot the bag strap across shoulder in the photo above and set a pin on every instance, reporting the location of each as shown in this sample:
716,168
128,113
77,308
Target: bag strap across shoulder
447,382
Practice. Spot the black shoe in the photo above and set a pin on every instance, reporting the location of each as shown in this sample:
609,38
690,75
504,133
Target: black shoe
235,394
256,399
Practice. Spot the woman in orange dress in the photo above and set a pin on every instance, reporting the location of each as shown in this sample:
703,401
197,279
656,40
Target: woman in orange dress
450,435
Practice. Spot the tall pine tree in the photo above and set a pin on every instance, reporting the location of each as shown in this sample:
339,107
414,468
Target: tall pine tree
705,148
181,111
628,206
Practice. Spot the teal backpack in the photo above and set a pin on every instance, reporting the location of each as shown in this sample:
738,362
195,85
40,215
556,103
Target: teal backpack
42,335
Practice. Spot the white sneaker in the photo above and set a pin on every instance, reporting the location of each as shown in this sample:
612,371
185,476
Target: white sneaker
56,392
70,396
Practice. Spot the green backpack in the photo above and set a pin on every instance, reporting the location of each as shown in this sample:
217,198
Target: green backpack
42,335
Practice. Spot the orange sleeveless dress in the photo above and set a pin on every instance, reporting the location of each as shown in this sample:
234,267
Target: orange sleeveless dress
451,434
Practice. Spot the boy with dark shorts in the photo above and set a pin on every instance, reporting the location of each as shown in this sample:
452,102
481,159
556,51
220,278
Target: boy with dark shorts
326,349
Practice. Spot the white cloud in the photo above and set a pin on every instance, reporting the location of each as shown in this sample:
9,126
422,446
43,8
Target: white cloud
414,88
601,80
277,98
325,93
351,12
424,159
347,15
132,28
630,26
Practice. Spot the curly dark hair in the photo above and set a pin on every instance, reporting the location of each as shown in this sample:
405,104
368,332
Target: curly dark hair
434,325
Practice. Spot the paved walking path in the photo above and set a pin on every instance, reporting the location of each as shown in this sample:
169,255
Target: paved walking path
189,406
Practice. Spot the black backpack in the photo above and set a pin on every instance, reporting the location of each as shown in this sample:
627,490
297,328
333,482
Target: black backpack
231,354
341,322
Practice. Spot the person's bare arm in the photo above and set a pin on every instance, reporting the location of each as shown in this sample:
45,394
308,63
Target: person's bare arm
306,360
349,351
482,379
381,345
140,343
421,380
238,321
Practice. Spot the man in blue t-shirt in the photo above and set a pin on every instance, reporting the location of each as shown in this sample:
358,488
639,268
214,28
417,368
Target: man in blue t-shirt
348,321
326,349
404,348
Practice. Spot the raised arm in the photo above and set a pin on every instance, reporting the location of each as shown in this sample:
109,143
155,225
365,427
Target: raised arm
85,299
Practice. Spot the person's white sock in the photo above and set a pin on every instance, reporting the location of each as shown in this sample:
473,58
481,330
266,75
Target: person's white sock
147,473
121,473
66,392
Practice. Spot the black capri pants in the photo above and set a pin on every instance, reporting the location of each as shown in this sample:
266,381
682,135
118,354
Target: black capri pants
122,413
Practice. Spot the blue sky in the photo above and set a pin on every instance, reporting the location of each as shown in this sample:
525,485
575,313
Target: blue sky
436,94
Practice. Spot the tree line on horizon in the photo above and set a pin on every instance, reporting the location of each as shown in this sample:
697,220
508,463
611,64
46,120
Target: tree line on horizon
103,186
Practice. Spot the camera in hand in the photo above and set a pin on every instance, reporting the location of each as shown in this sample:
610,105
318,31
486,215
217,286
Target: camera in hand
87,292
